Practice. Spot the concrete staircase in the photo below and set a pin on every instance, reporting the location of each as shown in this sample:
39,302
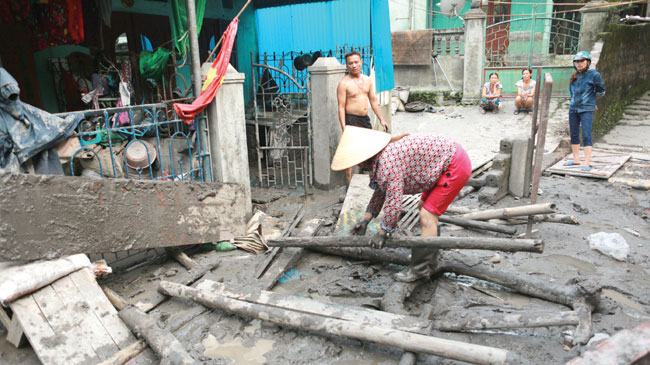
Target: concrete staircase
633,129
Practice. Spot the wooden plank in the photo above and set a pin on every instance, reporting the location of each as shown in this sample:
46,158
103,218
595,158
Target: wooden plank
15,334
288,256
93,331
64,322
102,308
4,317
332,310
150,298
603,164
354,207
158,213
46,343
283,261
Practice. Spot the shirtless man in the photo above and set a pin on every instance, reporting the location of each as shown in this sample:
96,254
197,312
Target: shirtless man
353,94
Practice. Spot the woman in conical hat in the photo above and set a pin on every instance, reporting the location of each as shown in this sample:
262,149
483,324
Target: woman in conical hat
432,165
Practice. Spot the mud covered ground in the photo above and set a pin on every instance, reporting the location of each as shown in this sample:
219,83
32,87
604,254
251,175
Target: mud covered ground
215,337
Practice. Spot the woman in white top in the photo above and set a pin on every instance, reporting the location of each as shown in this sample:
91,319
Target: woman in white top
525,92
491,94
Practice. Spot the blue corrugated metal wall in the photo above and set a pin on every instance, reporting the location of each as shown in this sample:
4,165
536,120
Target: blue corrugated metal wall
326,25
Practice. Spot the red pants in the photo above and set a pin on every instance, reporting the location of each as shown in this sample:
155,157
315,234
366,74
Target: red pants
436,200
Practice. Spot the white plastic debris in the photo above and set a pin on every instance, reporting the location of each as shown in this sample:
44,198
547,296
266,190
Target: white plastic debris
598,337
610,244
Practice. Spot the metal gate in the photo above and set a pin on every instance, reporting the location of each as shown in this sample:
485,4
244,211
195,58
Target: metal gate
143,142
530,42
282,125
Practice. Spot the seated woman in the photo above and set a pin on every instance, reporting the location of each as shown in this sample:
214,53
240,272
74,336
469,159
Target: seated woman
525,92
491,95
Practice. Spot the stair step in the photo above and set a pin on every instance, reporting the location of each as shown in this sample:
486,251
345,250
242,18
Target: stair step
634,117
642,113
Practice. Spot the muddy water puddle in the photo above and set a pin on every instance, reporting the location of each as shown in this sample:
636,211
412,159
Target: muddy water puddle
234,350
624,301
583,266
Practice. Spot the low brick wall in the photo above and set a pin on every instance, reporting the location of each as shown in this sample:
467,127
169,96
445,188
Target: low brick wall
623,63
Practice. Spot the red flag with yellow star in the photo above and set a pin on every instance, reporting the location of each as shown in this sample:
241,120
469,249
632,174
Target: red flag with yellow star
213,80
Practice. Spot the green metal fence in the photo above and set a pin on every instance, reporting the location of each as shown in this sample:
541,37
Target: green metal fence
530,42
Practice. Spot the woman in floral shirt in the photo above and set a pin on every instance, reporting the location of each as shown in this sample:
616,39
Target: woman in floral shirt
432,165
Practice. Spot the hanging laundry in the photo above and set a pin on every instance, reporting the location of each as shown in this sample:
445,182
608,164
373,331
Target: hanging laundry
26,131
125,87
152,64
53,22
213,80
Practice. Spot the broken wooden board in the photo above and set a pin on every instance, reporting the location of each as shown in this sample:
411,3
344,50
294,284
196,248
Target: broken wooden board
332,310
635,173
603,164
52,216
354,207
283,262
71,321
287,257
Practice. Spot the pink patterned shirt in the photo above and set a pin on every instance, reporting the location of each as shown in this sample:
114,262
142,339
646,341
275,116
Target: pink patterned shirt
409,166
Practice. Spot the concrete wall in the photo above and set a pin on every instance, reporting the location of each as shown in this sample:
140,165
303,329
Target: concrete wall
622,66
400,14
424,78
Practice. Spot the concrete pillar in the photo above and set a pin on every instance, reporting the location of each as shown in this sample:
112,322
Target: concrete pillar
474,53
326,73
520,167
594,17
227,131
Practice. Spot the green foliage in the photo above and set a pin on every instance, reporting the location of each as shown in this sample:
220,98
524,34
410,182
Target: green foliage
431,97
623,71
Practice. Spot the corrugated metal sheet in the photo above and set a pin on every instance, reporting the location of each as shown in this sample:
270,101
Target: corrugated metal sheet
324,26
382,45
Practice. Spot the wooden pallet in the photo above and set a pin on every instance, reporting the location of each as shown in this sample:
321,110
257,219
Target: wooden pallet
603,164
68,322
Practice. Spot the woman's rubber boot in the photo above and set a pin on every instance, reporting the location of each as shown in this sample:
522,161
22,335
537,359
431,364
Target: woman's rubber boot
421,259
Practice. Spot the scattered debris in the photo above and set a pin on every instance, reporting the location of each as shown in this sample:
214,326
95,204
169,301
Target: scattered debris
624,347
495,259
610,244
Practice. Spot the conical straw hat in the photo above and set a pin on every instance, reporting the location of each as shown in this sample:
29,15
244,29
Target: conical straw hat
357,145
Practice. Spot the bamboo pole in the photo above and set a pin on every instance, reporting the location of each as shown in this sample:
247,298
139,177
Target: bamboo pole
126,353
466,243
550,218
118,302
221,39
470,223
162,341
539,145
181,257
463,320
459,210
543,208
369,254
523,283
585,329
391,337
